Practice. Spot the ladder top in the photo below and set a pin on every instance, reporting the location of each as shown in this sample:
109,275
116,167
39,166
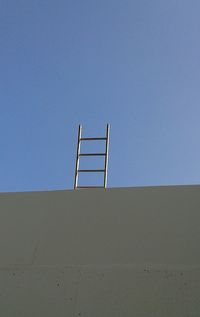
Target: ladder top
79,155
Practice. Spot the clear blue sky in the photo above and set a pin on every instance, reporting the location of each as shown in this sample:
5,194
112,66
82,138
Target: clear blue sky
134,64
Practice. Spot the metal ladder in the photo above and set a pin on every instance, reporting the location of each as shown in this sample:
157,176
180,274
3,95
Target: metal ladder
79,154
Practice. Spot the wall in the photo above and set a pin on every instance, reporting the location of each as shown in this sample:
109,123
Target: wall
101,253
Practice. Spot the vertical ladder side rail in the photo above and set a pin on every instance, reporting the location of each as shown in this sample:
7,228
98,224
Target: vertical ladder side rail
77,156
106,155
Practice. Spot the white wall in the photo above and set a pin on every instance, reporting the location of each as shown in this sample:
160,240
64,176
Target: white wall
101,253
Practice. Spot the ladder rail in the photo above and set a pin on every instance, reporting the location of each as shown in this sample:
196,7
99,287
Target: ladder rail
77,156
106,156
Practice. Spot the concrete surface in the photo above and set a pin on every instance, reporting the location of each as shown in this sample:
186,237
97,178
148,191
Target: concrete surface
100,253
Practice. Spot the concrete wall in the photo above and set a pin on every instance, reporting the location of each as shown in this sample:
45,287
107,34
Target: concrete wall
101,253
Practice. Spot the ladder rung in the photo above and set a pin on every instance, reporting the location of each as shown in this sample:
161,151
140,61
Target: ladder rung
88,171
92,154
90,187
92,139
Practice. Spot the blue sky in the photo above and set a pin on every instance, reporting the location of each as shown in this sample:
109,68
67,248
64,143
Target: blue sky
134,64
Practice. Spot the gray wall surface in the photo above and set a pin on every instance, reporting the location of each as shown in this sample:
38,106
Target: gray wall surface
101,253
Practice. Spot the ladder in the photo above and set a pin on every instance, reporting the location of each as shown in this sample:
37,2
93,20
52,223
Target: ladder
79,155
